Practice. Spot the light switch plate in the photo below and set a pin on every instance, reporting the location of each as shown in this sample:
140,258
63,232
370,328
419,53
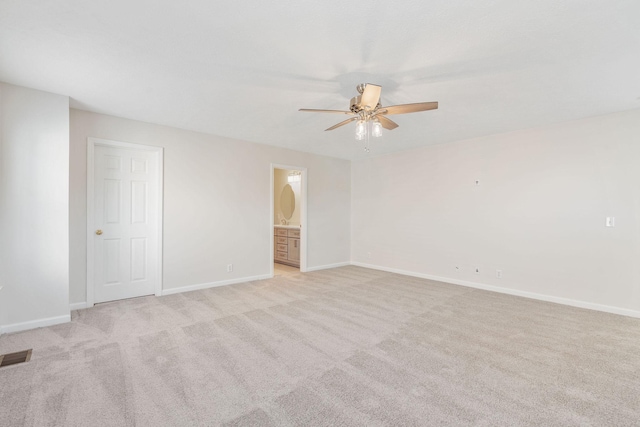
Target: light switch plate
611,221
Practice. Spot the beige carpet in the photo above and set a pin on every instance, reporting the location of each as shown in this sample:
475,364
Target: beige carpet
341,347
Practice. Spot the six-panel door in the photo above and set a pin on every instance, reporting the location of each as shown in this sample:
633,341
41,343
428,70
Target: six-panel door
126,218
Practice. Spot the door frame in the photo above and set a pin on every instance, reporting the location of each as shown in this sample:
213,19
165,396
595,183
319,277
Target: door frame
303,215
91,144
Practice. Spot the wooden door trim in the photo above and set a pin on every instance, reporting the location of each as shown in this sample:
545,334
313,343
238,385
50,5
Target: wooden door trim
91,144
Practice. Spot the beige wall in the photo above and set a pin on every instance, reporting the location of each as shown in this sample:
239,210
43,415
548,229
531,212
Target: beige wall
34,208
216,202
538,212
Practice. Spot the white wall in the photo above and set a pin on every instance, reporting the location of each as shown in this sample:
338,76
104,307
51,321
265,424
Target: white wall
216,202
538,213
34,208
280,180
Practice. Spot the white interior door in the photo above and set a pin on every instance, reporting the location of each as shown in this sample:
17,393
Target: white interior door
126,219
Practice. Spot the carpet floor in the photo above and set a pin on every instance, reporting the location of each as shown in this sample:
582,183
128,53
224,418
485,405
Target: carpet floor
342,347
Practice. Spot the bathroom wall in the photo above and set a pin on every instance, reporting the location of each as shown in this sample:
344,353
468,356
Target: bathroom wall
280,179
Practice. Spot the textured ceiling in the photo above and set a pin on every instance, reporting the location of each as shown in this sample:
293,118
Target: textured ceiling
242,69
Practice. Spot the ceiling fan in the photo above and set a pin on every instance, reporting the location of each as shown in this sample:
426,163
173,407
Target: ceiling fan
365,108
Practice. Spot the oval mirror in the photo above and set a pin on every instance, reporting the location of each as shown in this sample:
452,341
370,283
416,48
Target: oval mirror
287,202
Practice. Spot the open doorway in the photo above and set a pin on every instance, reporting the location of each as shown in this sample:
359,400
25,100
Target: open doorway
288,219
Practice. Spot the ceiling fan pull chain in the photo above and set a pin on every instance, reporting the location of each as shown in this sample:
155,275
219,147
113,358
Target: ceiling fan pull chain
367,124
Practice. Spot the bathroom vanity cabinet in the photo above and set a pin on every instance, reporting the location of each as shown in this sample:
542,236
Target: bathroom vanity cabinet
286,241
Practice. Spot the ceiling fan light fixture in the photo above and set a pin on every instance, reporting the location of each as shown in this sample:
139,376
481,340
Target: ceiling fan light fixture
361,130
376,128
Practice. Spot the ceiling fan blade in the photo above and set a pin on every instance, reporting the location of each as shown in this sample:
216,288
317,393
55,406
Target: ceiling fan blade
311,110
342,123
409,108
370,96
386,123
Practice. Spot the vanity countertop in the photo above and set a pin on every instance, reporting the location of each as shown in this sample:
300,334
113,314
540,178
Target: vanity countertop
288,227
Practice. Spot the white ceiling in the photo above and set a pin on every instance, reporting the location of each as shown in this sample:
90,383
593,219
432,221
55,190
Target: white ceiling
242,69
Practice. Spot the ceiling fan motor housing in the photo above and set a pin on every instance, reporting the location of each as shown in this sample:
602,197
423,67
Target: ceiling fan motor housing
356,104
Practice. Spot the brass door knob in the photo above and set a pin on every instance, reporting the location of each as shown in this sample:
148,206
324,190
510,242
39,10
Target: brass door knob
98,232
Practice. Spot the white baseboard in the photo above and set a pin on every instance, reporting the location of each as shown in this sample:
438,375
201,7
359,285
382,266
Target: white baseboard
172,291
327,266
525,294
32,324
77,306
213,284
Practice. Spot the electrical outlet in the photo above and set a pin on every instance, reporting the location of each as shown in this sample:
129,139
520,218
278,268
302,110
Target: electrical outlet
499,274
369,255
229,268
